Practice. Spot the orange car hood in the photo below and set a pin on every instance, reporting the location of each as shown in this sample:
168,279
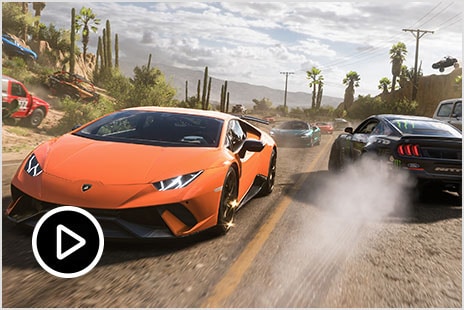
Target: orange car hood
75,158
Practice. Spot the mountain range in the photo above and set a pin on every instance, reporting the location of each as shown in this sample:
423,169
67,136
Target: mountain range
240,93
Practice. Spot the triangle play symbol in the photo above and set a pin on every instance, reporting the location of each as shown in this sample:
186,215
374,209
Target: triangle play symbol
60,229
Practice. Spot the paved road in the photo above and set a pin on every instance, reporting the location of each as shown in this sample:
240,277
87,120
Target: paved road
293,248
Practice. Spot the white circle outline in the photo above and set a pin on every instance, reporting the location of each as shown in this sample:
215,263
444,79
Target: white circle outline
36,251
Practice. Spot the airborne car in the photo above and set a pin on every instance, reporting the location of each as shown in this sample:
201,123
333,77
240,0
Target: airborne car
149,172
429,149
446,62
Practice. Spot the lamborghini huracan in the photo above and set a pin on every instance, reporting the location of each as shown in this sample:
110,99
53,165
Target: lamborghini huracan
149,172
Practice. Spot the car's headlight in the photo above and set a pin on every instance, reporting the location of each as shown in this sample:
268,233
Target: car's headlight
32,166
177,182
306,134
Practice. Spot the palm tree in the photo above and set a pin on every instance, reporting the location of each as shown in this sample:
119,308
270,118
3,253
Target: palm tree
384,84
351,81
397,55
320,83
313,76
86,20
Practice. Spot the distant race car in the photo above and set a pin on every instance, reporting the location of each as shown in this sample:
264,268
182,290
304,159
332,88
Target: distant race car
149,172
340,123
429,149
444,63
296,133
326,128
13,48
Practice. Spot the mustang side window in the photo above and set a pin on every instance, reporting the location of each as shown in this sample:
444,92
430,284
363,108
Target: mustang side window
368,127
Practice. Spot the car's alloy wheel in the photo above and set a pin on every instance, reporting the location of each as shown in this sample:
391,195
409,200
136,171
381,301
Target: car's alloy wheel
228,203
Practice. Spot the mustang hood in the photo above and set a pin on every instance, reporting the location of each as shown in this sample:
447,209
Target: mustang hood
76,158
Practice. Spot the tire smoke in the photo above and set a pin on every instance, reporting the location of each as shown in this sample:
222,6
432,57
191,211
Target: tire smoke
335,214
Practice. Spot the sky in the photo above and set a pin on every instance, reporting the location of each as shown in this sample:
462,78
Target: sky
256,42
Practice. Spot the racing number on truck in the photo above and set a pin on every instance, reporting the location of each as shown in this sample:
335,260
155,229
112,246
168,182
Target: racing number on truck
22,104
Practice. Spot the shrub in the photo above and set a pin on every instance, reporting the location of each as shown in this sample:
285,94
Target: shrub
78,113
366,106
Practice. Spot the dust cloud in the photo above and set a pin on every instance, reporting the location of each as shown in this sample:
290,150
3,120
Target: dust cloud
367,190
335,214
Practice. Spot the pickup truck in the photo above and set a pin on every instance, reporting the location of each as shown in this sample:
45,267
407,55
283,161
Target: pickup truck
450,111
18,103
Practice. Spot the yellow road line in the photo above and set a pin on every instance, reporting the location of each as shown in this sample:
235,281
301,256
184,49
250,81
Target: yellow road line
234,275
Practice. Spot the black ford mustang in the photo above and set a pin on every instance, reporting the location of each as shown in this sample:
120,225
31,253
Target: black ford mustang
430,150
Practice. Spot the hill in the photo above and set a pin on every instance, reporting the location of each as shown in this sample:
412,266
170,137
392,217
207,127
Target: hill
240,93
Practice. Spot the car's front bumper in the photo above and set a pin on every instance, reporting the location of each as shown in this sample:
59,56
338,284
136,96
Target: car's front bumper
149,222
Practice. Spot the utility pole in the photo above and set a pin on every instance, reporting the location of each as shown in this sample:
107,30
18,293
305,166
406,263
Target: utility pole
417,33
285,95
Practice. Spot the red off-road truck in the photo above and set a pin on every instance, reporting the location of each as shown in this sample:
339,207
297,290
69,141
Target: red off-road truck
18,103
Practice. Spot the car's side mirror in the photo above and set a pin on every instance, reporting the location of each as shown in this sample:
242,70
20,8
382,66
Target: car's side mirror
75,127
349,130
251,145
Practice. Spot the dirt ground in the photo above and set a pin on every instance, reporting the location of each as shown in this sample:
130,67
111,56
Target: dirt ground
18,141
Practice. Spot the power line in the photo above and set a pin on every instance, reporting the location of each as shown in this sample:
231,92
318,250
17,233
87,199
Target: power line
437,14
373,51
426,14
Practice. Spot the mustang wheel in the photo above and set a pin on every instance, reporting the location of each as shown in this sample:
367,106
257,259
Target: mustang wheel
228,203
268,187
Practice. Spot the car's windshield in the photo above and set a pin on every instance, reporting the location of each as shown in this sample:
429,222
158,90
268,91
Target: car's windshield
430,128
156,128
294,126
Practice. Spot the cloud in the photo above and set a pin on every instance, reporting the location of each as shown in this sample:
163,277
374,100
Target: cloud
253,42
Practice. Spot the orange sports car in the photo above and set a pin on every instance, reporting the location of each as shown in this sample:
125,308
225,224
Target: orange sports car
149,172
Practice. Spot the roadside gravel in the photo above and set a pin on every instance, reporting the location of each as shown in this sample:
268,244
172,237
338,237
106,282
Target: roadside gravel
417,263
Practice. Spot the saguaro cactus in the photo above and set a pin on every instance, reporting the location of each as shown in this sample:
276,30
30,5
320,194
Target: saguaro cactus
108,45
116,51
198,90
72,60
205,83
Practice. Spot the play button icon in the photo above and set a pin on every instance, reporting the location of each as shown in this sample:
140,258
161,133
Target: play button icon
60,229
67,242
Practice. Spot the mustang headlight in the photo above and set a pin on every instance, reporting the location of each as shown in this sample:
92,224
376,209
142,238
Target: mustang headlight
177,182
32,166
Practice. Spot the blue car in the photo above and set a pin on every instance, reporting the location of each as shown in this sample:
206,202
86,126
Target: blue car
296,133
13,48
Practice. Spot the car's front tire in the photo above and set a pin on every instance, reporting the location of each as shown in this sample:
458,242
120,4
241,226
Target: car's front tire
228,203
36,118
